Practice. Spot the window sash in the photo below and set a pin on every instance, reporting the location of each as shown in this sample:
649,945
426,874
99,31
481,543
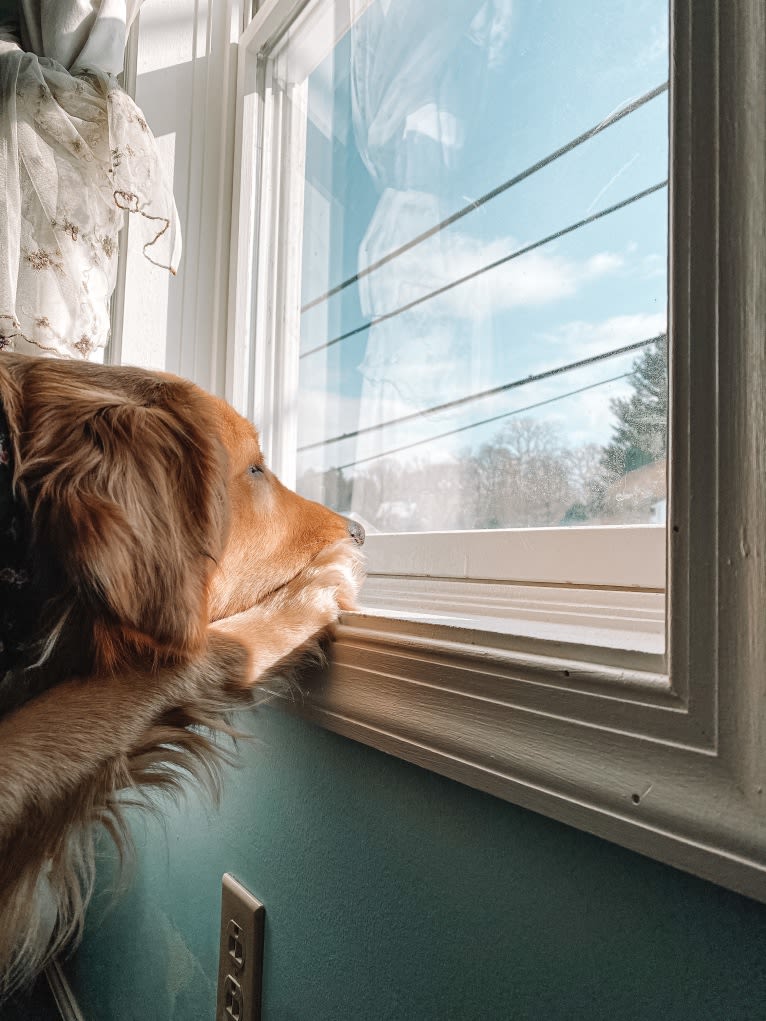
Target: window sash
621,556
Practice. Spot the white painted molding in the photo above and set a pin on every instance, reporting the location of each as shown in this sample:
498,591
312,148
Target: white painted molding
268,24
183,57
619,556
628,620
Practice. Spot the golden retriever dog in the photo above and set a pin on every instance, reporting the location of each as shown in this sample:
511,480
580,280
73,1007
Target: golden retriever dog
152,571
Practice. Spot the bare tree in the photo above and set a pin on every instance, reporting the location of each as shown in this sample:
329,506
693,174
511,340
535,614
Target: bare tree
525,476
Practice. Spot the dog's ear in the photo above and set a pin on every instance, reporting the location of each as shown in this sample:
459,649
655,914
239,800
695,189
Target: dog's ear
124,474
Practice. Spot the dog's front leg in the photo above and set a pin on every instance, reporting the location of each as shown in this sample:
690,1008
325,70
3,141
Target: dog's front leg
278,628
53,745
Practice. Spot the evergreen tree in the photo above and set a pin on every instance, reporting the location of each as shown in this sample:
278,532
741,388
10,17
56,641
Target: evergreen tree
640,432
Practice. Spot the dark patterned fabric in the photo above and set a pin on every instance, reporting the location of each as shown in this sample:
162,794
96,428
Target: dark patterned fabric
16,611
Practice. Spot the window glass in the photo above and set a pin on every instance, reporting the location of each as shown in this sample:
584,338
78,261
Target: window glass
482,235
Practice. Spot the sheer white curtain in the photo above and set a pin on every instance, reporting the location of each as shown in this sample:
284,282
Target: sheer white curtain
418,75
75,155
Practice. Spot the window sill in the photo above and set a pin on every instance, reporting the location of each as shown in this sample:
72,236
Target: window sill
575,727
625,625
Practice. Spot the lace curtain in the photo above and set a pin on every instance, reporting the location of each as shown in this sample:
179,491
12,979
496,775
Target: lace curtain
76,154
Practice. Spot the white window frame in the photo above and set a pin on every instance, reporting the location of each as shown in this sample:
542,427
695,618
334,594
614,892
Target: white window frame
263,384
573,708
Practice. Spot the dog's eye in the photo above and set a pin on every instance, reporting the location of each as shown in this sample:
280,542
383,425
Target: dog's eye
255,469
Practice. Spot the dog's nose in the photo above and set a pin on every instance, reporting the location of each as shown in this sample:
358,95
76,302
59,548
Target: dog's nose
356,532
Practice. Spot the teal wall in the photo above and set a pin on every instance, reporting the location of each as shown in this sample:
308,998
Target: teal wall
392,893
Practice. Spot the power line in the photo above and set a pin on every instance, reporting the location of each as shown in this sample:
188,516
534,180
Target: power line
492,265
484,421
613,118
491,392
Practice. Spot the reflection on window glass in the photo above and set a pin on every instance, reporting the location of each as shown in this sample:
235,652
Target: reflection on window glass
484,251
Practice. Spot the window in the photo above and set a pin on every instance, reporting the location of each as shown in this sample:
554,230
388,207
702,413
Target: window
463,341
472,290
483,226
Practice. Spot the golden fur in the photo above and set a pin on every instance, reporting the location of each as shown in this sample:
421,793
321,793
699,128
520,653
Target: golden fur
175,571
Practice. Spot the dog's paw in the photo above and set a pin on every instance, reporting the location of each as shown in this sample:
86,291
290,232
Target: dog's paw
276,631
339,567
328,585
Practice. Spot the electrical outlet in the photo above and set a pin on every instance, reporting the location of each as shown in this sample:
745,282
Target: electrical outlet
240,954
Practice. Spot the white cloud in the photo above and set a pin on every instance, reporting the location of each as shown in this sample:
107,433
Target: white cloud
411,365
587,417
581,338
652,266
537,278
656,49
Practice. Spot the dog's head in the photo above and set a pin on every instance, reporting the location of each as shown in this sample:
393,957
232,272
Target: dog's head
151,508
274,533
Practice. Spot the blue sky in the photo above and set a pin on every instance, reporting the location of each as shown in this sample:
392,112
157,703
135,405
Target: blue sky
451,108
